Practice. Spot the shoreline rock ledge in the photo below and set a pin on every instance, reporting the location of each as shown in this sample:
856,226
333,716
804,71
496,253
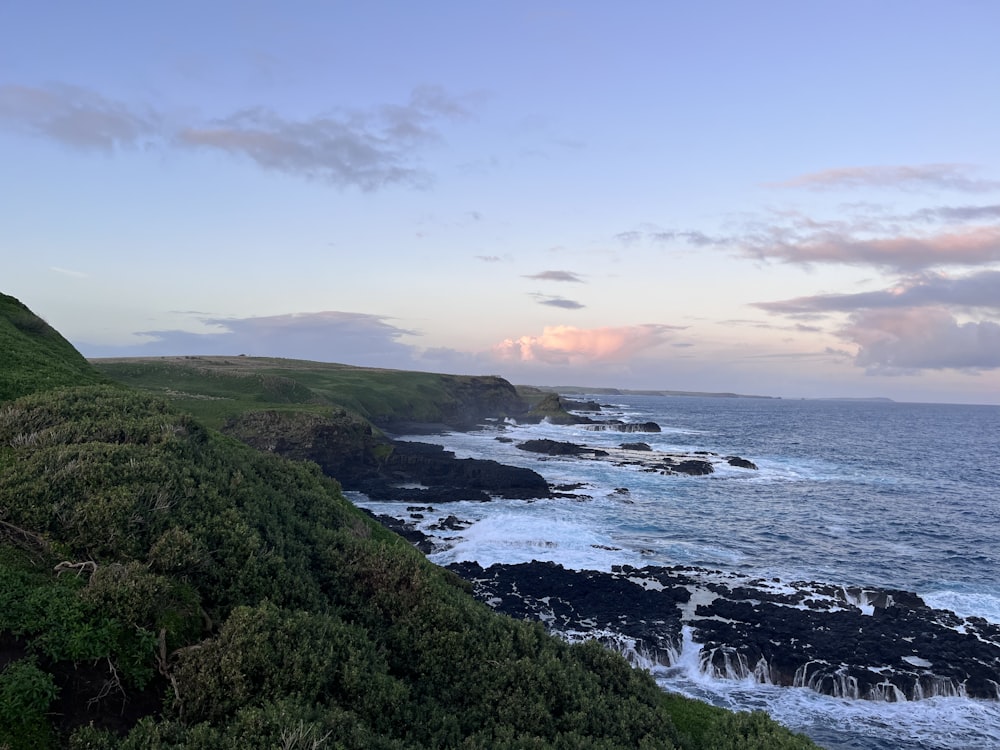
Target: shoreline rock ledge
871,643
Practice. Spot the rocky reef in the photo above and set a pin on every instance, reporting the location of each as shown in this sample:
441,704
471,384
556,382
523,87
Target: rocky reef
862,643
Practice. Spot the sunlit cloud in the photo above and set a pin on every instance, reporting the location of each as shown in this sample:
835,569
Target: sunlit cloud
976,245
935,176
568,344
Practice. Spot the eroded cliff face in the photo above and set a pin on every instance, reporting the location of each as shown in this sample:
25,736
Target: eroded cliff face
343,444
467,401
347,448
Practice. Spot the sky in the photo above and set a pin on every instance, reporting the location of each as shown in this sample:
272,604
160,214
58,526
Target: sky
782,198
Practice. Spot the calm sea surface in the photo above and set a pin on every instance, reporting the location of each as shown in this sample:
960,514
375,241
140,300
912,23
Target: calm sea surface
848,492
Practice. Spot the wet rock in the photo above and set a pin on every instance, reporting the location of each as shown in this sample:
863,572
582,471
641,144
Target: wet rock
451,523
873,644
559,448
741,463
433,466
694,467
636,446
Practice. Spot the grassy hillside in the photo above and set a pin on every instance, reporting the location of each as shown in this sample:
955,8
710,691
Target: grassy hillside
164,586
217,388
33,356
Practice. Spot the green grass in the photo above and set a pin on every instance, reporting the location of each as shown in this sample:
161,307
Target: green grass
216,388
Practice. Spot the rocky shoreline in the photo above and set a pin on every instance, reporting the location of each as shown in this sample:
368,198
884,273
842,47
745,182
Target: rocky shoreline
871,643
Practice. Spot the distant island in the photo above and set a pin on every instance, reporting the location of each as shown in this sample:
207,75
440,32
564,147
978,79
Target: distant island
855,398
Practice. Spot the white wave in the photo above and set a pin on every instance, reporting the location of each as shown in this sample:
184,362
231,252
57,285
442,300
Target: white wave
517,537
931,724
965,603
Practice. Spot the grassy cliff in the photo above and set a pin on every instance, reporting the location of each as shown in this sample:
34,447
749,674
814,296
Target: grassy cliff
163,585
219,388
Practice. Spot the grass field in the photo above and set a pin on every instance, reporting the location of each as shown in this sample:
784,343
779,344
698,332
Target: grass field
216,388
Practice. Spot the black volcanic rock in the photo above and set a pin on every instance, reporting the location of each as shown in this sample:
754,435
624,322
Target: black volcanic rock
347,449
694,467
636,446
611,608
433,466
559,448
875,644
741,463
571,405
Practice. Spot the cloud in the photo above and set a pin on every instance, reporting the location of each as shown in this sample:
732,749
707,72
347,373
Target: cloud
556,276
979,290
912,326
957,213
368,149
75,117
331,336
489,258
904,341
935,176
561,302
571,345
975,245
663,237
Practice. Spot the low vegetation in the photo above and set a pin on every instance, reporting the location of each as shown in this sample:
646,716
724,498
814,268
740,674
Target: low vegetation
165,586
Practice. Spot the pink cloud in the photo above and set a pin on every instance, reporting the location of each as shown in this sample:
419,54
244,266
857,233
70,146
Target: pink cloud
568,344
976,245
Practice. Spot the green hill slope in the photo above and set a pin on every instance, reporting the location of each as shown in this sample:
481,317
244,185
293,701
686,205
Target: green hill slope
162,585
217,388
33,356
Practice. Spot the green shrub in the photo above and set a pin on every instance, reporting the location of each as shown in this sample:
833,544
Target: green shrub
26,692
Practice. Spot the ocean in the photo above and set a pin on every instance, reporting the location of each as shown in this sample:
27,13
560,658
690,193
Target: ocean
853,493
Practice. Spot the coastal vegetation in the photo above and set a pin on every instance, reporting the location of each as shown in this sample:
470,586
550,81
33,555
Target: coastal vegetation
163,585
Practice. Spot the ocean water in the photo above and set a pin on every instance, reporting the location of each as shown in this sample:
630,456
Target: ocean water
847,492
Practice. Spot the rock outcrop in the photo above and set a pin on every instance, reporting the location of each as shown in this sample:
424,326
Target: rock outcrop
349,450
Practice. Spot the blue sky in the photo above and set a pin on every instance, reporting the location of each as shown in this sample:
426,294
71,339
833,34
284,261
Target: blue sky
779,198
